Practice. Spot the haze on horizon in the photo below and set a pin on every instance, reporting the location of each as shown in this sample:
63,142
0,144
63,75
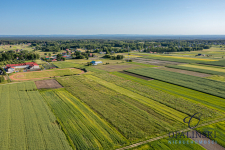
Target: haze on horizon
88,17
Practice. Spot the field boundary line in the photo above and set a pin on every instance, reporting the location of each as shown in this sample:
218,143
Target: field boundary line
163,136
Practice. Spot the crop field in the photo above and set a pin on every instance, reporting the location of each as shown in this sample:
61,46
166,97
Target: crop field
84,129
183,71
212,87
218,129
174,102
210,101
83,61
119,67
44,74
26,121
154,62
179,59
218,78
151,118
164,144
216,63
206,67
67,65
208,70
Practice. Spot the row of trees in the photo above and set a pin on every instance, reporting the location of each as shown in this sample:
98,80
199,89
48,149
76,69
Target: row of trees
18,56
118,57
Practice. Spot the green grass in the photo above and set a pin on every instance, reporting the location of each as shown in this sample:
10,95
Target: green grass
216,128
67,65
195,96
212,87
120,110
83,127
26,121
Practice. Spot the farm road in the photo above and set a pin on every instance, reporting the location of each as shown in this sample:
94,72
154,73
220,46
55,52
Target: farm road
206,146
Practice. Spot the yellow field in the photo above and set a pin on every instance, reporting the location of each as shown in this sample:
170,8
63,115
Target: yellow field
204,67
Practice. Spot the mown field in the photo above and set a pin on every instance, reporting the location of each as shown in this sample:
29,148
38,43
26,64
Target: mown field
210,101
84,129
212,87
26,121
217,129
44,74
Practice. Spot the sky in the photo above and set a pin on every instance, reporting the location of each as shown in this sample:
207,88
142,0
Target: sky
90,17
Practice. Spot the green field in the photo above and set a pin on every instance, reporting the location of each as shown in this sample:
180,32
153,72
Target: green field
67,65
216,77
26,121
198,69
216,63
205,67
174,102
120,110
164,144
45,73
15,47
192,95
212,87
84,129
218,129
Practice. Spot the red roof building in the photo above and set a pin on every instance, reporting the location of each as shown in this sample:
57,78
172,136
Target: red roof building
30,64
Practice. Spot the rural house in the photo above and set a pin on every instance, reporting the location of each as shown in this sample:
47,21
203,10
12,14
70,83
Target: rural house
96,62
29,65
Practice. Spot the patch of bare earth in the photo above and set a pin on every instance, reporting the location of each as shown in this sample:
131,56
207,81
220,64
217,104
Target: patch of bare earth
135,75
197,74
48,84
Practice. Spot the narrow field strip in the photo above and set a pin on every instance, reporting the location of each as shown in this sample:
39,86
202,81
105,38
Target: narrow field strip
204,67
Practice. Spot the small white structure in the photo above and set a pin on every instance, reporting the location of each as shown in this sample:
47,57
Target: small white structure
96,62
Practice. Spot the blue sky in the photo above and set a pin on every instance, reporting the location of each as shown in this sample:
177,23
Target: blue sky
87,17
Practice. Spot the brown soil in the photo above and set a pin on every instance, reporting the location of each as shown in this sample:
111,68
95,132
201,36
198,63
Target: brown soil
197,74
48,84
135,75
